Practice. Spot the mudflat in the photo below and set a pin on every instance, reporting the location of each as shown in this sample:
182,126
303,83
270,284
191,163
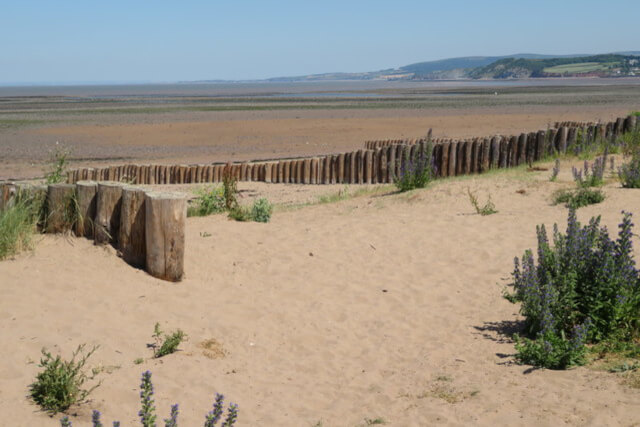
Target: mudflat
170,128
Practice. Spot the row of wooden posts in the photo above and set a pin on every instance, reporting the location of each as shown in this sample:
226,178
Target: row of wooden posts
147,228
374,165
607,130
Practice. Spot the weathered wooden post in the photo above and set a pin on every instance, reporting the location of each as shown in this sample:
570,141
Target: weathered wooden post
485,154
165,219
453,160
391,163
86,200
630,123
107,220
540,147
444,163
60,210
313,178
495,152
131,235
368,167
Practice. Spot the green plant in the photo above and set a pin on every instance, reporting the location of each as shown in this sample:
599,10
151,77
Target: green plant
261,210
578,198
138,361
18,223
230,188
58,163
240,213
60,384
208,201
629,173
584,289
148,408
166,344
488,209
416,168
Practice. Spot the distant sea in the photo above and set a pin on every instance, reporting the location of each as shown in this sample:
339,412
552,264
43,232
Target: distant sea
350,88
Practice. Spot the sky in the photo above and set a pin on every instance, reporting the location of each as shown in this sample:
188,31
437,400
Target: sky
166,41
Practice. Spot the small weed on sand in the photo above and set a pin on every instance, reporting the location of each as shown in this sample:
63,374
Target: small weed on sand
487,209
575,199
166,344
61,382
57,166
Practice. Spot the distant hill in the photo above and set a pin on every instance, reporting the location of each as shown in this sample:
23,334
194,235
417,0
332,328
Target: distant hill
520,65
610,65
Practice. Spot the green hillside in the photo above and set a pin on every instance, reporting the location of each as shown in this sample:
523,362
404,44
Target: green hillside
604,65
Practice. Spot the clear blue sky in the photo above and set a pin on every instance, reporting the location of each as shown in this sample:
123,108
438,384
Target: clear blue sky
117,41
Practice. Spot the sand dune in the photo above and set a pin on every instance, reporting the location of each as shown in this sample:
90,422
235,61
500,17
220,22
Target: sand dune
381,306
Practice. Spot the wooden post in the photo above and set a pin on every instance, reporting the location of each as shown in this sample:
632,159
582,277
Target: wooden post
165,218
468,154
267,172
391,164
299,171
572,137
60,207
453,158
368,167
630,123
7,192
382,166
562,139
619,127
107,220
485,152
326,171
444,165
314,171
475,156
131,237
86,199
495,152
538,146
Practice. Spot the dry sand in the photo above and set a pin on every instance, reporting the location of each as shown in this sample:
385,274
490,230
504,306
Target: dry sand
381,306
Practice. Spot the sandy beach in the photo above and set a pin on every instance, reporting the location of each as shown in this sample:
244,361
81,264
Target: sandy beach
382,306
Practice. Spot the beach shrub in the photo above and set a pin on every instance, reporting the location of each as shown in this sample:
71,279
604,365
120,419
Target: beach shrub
261,210
148,416
583,289
487,209
630,142
629,173
208,201
578,198
57,165
166,343
61,382
590,176
417,168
